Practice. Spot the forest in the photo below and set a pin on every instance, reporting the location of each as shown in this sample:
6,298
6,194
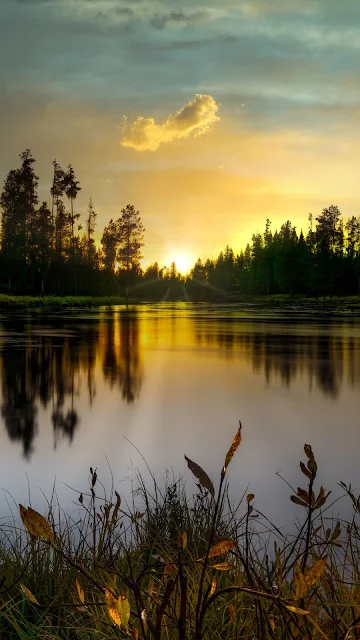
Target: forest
46,249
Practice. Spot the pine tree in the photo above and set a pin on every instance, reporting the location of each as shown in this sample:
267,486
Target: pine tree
110,241
90,229
131,239
18,202
43,236
71,188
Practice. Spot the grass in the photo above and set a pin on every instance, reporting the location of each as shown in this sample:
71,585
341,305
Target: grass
172,567
339,305
58,302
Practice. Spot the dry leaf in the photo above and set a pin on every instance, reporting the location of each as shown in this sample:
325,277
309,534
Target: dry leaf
272,622
112,608
135,634
223,566
314,573
150,587
78,607
116,509
28,595
184,540
136,516
303,495
297,610
308,451
36,524
336,532
305,471
234,446
221,547
232,612
301,588
304,581
298,501
200,474
250,497
80,591
167,570
213,586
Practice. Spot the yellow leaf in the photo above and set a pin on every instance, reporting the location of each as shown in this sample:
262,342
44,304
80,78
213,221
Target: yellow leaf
234,446
150,587
222,547
213,586
300,585
80,591
314,573
250,497
272,622
232,612
112,608
28,595
223,566
304,581
200,474
297,610
184,540
118,609
36,524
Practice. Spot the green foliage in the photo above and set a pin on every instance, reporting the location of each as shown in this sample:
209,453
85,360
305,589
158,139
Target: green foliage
167,566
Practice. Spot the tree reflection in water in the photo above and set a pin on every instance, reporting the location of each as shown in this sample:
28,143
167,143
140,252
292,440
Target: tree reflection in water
325,358
46,366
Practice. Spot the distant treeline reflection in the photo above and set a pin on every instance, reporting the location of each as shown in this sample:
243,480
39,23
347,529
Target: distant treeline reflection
59,365
48,371
326,360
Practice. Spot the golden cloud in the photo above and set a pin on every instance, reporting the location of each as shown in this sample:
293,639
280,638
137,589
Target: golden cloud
194,118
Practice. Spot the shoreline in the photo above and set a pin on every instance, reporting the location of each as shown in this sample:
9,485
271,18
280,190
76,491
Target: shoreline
336,306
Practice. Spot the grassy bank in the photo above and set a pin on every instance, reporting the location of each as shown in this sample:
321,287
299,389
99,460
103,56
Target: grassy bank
171,567
303,303
57,302
336,305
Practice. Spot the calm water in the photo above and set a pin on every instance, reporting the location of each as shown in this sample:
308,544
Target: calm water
89,388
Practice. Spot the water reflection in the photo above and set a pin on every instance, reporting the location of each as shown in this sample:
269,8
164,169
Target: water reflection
121,360
46,367
326,357
58,365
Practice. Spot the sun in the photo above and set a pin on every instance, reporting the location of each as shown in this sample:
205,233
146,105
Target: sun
183,259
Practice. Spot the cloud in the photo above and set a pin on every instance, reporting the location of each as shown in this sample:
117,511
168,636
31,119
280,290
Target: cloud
194,118
178,17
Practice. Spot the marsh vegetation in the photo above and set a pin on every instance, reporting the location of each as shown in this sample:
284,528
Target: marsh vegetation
170,565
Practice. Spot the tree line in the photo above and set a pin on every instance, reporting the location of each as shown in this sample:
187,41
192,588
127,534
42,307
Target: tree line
47,249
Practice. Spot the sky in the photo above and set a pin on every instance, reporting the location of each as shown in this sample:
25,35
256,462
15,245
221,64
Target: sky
209,117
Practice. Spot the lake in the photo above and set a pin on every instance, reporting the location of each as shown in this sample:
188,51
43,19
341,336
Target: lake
105,387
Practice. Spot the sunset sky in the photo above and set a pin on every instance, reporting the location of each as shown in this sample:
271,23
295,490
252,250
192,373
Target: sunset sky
208,116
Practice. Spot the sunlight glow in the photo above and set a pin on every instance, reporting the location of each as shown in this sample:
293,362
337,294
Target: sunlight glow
183,259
